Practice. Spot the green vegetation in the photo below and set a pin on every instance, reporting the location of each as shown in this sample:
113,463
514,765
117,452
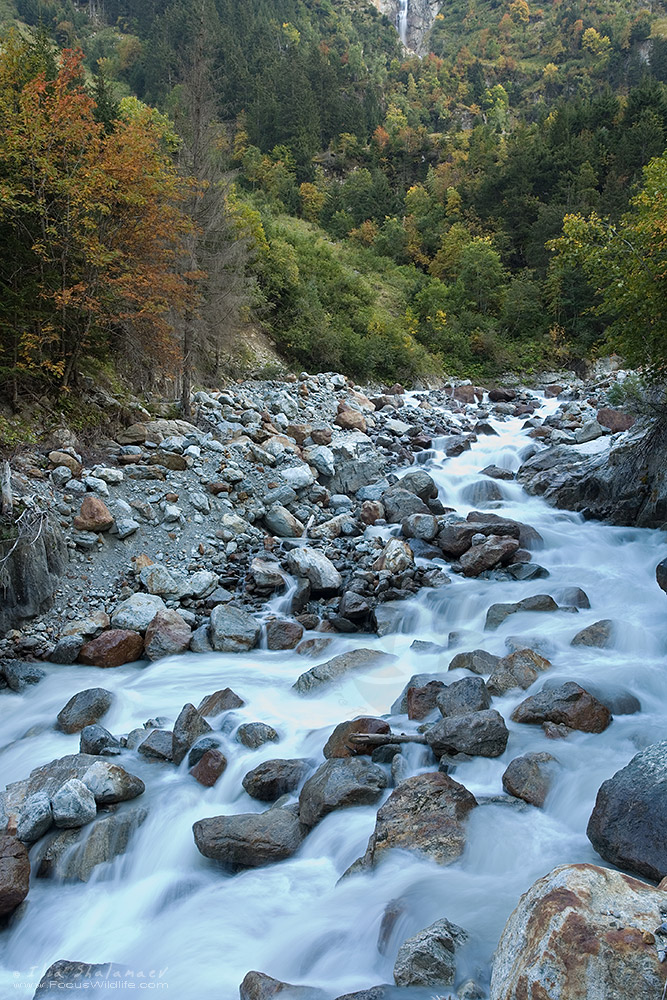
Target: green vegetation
375,212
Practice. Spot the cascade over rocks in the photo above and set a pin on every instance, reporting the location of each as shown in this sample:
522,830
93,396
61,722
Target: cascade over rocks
582,933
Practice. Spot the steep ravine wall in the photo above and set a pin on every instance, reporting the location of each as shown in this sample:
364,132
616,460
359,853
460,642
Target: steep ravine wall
421,15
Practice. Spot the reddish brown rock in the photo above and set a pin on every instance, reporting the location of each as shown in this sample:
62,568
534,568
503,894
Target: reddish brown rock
350,419
615,420
14,873
94,515
64,458
209,768
219,701
551,391
371,511
569,705
422,700
112,649
283,634
337,744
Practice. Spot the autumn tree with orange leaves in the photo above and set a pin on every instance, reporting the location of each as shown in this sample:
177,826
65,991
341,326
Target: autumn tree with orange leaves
92,225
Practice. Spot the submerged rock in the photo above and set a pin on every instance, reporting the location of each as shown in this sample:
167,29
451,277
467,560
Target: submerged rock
258,986
324,673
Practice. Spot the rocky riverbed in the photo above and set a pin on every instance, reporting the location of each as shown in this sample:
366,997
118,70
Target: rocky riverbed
313,653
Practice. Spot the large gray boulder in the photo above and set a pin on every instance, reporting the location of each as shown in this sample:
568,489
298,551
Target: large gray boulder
476,734
73,805
137,612
470,694
338,666
582,933
84,709
429,958
188,728
275,778
47,778
338,783
312,565
628,825
233,630
14,873
249,840
425,814
110,783
35,818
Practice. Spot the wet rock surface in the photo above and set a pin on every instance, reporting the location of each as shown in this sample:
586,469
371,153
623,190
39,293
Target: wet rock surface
627,826
584,933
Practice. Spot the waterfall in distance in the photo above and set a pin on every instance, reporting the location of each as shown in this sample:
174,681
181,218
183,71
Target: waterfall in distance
402,21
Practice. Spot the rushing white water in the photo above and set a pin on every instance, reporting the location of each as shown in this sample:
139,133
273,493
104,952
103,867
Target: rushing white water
164,908
402,20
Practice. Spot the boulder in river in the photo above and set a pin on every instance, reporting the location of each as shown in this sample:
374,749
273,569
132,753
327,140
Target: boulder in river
98,740
425,814
35,818
233,630
493,551
429,958
73,805
338,783
255,734
75,854
189,726
249,840
628,825
64,976
209,767
218,702
46,778
258,986
478,661
570,705
600,635
110,783
314,566
470,694
339,665
113,648
518,670
476,734
84,709
338,746
661,575
275,778
529,777
582,933
14,873
497,613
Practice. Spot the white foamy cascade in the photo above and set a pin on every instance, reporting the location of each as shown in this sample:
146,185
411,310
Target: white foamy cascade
163,907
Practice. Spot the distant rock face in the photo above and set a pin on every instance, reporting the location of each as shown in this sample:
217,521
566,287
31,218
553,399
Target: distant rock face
29,575
421,15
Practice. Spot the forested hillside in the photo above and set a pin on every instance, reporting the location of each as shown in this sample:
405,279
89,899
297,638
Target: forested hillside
293,167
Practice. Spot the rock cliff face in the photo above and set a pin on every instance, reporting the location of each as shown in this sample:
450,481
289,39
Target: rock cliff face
420,17
29,575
